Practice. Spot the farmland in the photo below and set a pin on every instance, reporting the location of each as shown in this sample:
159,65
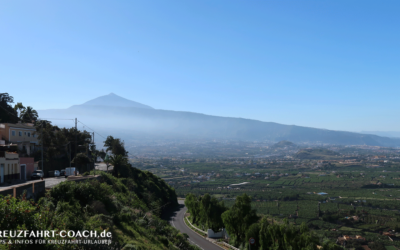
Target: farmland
359,196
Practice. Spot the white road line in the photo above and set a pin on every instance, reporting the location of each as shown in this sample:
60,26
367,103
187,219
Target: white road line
197,233
195,244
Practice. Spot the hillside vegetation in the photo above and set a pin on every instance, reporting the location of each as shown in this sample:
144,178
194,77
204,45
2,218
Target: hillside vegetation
129,208
283,144
242,223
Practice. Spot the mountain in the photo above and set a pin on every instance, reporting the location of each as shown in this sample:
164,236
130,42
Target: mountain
283,144
383,133
112,100
121,117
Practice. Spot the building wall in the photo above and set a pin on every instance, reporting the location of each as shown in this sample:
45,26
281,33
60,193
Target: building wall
29,165
11,166
22,134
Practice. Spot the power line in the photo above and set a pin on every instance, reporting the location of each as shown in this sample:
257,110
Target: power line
57,119
92,130
10,113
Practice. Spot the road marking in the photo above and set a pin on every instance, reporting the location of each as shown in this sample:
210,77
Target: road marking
200,236
195,244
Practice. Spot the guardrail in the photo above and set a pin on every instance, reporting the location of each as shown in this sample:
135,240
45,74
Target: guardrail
212,240
230,246
194,226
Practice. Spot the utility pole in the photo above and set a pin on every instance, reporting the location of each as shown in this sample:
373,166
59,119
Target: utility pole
94,160
70,154
76,138
42,145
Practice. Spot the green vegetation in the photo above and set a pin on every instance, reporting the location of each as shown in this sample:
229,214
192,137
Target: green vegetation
7,112
283,144
205,211
360,200
115,146
242,223
59,147
128,207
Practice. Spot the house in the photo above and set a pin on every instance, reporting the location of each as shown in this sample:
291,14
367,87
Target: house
27,166
22,134
9,165
359,237
390,234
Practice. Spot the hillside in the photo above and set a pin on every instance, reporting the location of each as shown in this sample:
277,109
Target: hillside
283,144
112,100
156,124
129,208
317,154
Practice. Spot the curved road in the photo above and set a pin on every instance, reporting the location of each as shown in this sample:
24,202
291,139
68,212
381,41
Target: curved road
177,221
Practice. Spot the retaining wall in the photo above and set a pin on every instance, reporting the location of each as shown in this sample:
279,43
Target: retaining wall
33,190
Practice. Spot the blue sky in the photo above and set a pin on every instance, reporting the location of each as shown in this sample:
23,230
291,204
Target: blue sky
325,64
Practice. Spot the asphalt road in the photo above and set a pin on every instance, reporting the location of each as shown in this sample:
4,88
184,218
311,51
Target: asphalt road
102,166
177,221
52,181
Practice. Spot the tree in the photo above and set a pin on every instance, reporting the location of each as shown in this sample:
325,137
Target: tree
7,112
254,232
238,219
19,108
102,154
115,146
118,161
286,236
81,160
107,161
108,143
29,115
193,204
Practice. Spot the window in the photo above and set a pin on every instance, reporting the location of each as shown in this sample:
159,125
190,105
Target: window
29,134
20,133
13,132
24,133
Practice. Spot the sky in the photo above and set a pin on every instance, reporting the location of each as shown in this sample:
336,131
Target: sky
323,64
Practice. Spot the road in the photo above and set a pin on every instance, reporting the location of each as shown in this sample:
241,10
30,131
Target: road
102,166
177,221
52,181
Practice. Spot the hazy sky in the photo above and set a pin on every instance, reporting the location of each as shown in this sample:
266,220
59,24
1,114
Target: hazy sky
325,64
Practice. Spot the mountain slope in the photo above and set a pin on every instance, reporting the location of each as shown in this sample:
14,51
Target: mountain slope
112,100
166,125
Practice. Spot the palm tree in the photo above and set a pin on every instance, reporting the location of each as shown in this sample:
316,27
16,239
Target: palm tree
29,114
118,161
19,108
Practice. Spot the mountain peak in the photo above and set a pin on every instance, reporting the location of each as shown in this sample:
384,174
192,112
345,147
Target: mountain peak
114,100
